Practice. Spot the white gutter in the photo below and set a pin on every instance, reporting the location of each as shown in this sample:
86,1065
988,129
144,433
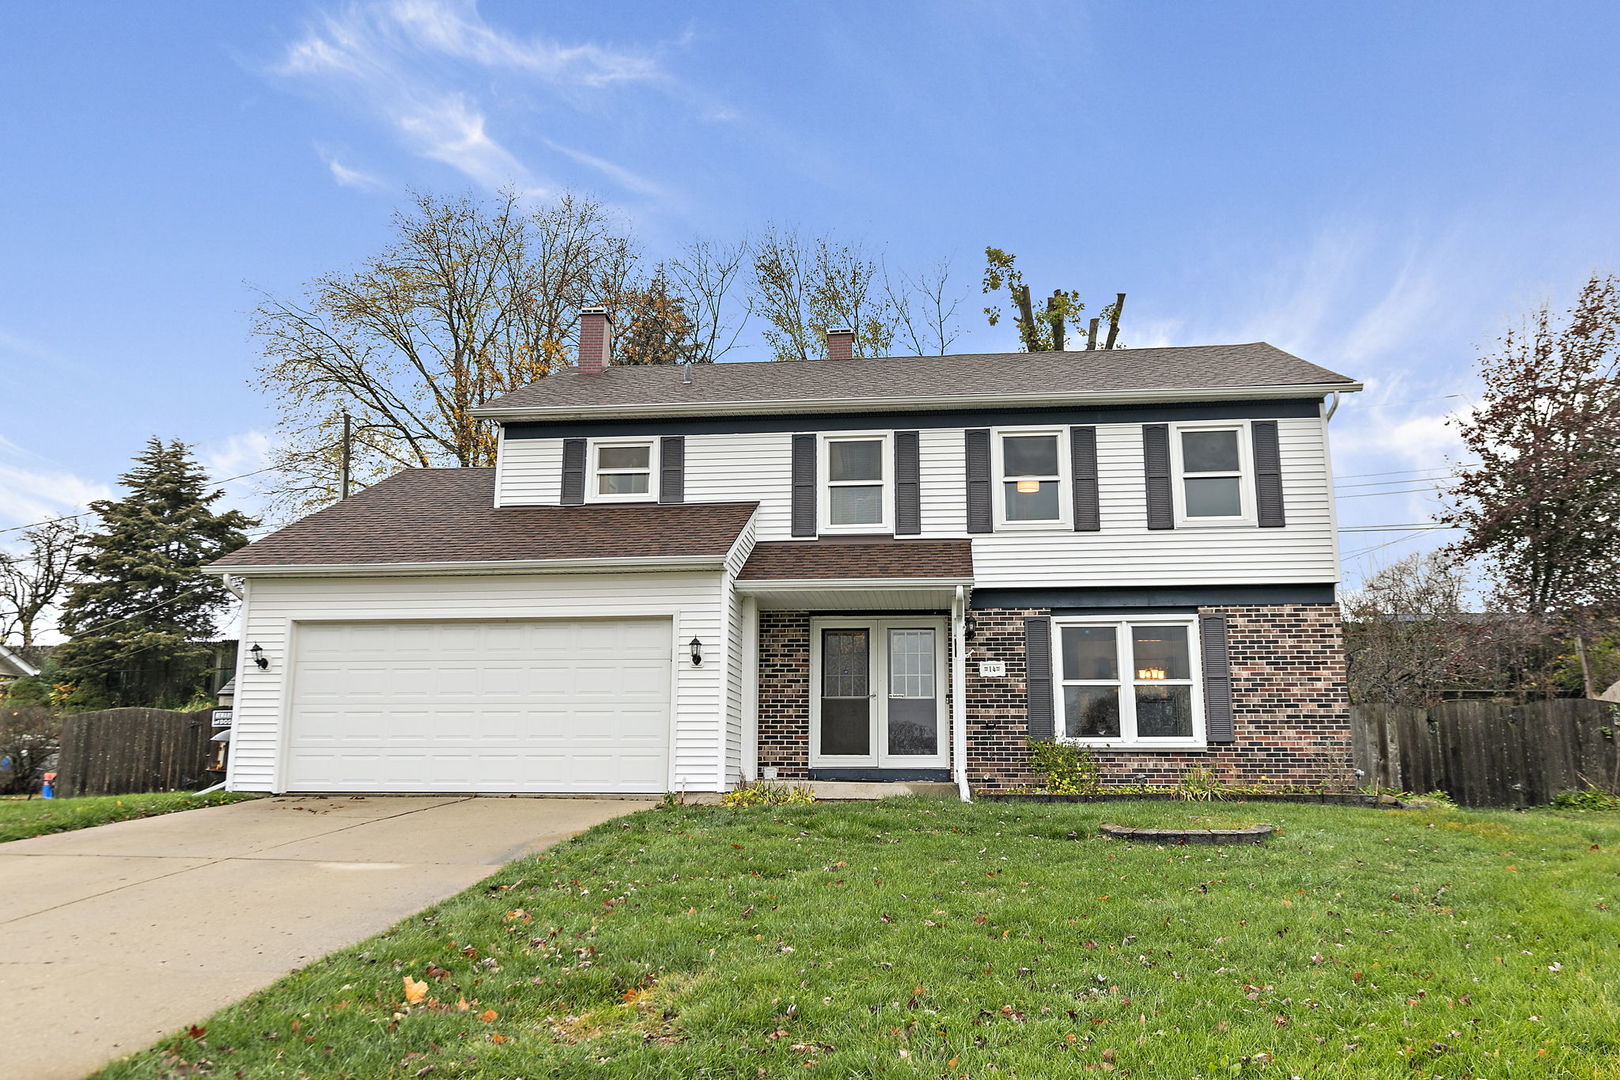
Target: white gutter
959,692
656,563
758,586
907,403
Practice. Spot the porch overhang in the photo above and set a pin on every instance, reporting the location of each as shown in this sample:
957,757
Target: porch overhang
854,594
857,574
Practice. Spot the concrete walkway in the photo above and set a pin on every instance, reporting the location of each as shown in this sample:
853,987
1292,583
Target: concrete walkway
118,935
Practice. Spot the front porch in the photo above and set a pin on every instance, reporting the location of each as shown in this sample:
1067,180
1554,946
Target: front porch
857,666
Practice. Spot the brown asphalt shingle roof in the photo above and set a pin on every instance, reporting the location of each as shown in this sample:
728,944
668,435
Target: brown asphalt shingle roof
835,560
1256,364
448,515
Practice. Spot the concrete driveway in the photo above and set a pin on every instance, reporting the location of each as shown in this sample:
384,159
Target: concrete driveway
118,935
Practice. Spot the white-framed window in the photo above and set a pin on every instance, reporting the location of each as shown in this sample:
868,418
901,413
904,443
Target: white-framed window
1214,482
857,483
622,470
1032,473
1128,681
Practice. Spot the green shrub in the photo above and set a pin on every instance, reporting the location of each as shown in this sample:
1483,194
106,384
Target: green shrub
764,793
1199,784
1588,798
1066,768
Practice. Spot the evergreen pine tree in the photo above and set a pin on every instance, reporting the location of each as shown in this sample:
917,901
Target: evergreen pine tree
141,615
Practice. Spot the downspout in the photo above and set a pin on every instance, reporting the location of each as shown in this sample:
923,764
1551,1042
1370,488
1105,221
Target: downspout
959,692
1333,408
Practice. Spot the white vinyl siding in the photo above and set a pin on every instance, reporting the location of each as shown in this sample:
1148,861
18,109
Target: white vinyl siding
692,600
529,472
756,468
737,653
745,468
1126,553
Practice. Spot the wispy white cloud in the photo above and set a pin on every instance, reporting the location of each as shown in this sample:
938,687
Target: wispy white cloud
34,489
346,175
409,64
626,179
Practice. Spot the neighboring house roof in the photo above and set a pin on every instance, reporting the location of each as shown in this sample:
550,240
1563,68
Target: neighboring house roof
848,560
917,382
13,665
448,516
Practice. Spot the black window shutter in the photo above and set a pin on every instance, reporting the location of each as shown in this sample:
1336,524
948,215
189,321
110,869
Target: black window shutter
1156,460
907,484
1083,464
1268,493
573,472
804,485
977,445
672,469
1217,678
1038,675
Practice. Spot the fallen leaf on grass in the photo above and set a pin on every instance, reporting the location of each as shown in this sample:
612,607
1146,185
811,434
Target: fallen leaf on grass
489,1016
415,990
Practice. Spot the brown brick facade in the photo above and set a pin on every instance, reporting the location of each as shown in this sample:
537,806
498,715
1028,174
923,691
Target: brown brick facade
784,693
1290,703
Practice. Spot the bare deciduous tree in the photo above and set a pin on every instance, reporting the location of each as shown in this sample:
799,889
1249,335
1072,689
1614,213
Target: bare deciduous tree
705,275
468,301
31,583
925,309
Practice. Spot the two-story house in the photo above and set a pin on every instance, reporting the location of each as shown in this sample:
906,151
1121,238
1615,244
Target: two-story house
900,568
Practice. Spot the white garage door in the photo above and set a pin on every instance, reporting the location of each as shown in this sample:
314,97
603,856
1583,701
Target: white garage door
542,705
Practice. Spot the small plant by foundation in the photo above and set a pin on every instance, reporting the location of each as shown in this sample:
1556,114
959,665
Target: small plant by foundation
763,793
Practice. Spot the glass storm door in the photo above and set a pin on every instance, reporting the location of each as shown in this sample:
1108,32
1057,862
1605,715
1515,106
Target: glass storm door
880,702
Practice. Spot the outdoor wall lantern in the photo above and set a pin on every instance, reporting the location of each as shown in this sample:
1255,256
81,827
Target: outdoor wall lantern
970,626
697,653
259,657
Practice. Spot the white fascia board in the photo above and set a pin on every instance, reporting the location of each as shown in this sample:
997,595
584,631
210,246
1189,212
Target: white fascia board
660,564
759,586
908,404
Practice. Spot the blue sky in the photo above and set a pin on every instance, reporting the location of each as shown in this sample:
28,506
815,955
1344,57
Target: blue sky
1380,188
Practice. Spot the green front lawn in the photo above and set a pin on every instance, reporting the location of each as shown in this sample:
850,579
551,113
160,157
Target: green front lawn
924,939
22,818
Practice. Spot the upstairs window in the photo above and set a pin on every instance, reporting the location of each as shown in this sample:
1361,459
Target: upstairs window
622,471
1030,478
1128,682
856,494
1213,486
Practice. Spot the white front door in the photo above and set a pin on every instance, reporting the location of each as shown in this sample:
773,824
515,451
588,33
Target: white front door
877,695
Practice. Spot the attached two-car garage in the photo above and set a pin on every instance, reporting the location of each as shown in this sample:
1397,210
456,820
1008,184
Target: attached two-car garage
481,705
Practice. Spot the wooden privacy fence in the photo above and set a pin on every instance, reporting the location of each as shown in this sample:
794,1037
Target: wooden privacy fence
123,751
1485,753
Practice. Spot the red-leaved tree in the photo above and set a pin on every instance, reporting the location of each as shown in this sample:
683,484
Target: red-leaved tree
1541,508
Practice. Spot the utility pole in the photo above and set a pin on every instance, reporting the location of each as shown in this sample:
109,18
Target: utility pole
348,428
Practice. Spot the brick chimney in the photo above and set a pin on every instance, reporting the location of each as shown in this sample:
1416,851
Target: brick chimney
595,340
840,344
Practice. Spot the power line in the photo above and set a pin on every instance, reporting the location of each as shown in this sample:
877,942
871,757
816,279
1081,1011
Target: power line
1402,472
1402,491
1417,526
1394,483
86,513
